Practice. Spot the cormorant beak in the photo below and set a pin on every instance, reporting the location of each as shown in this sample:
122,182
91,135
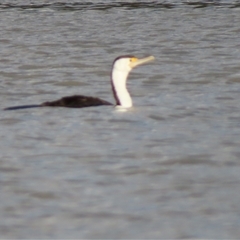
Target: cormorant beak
134,62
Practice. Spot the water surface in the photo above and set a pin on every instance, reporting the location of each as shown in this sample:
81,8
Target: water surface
167,168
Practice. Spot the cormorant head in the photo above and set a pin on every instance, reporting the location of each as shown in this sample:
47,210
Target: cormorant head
127,63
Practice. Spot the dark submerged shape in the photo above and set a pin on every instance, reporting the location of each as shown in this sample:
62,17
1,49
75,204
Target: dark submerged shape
76,101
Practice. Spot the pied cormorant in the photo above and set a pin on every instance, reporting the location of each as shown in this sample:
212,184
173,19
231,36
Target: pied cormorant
120,69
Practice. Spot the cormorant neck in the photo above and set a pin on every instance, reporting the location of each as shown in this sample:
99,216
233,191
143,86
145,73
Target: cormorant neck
120,92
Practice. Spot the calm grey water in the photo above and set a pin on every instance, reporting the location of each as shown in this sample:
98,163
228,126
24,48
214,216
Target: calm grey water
167,168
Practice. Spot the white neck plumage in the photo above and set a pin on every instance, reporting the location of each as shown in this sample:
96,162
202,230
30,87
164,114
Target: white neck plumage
119,82
120,70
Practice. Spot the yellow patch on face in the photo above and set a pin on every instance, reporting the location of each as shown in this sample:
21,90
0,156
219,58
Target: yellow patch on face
133,59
